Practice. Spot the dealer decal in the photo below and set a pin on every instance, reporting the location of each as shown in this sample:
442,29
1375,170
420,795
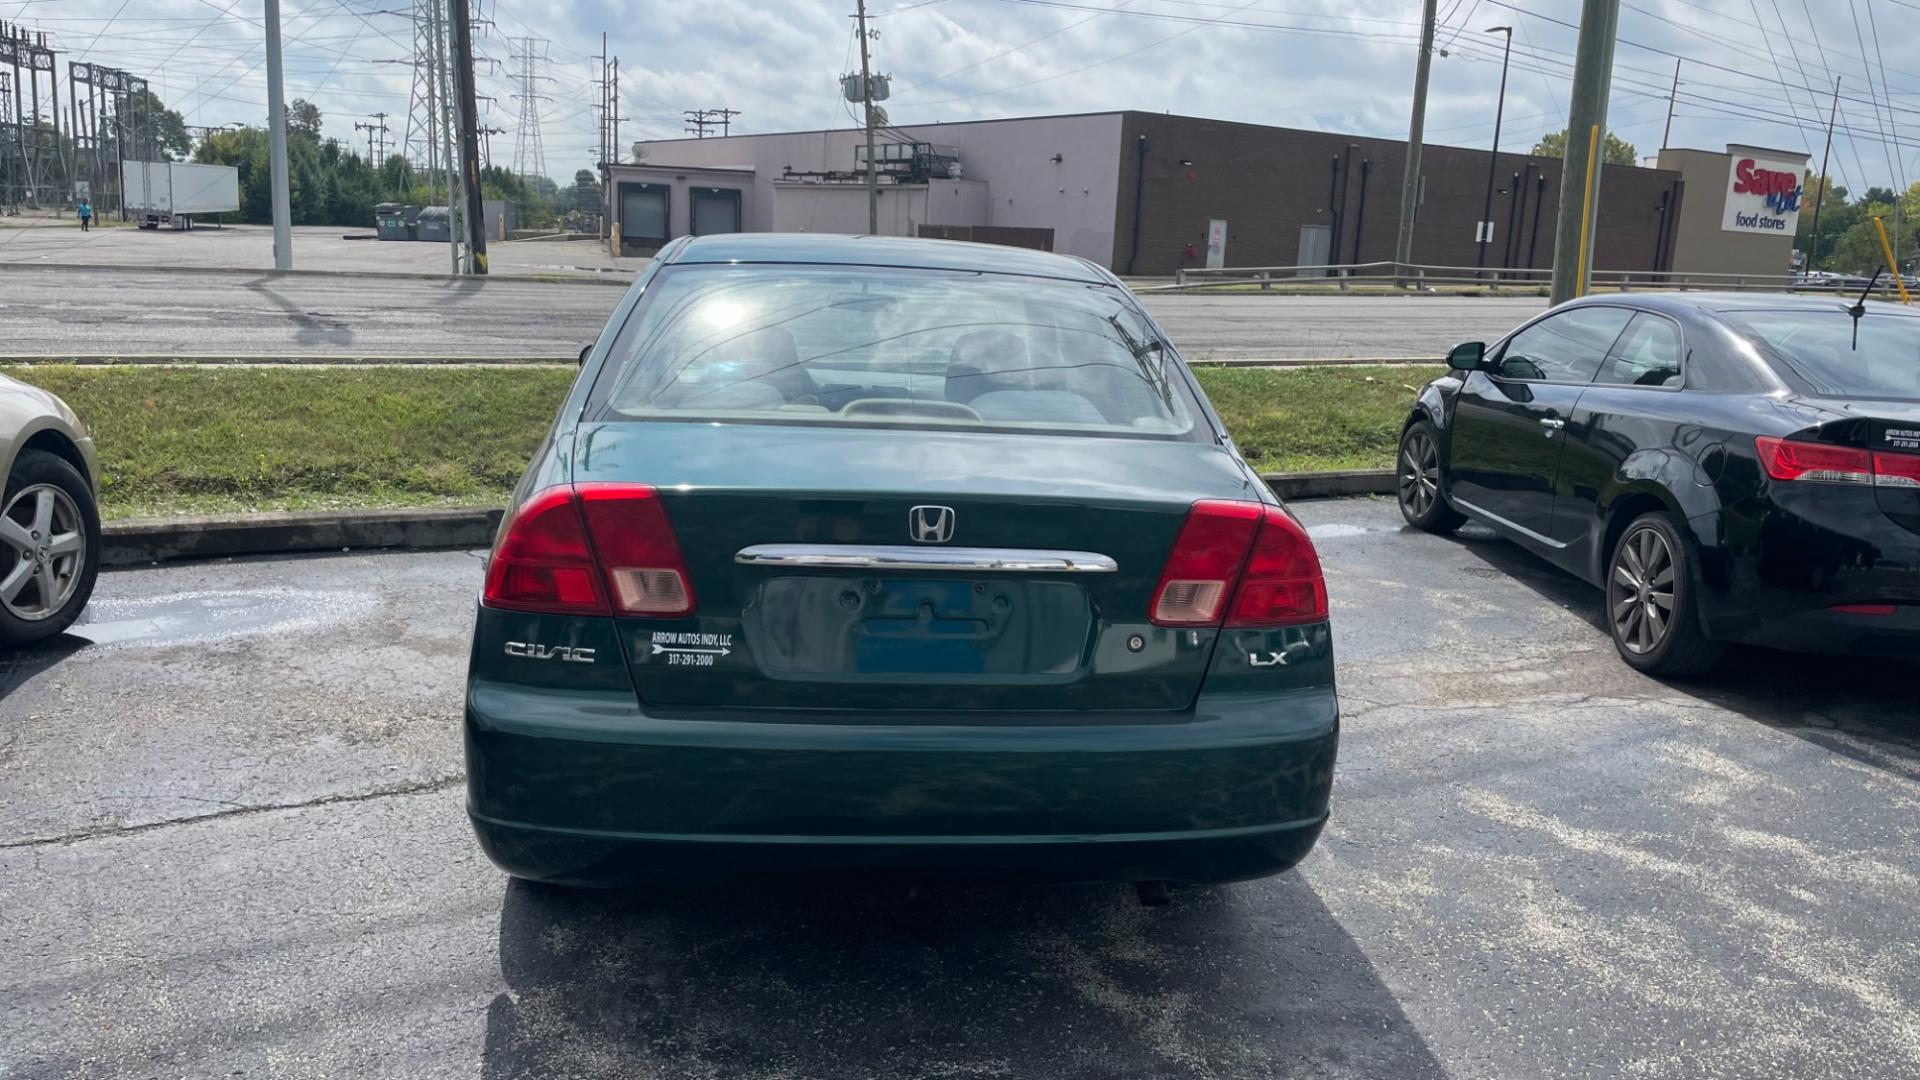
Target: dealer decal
690,649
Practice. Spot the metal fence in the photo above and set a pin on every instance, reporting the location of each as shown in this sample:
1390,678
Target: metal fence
1347,276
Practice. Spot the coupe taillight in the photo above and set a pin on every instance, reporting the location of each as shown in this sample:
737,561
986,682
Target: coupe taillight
1248,563
591,549
1789,459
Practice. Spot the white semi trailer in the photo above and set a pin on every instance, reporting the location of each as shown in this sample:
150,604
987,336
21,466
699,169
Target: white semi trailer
170,193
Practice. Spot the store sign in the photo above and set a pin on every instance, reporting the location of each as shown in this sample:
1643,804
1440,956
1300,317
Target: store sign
1763,195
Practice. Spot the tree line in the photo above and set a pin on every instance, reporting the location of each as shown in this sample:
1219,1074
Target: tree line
329,183
1848,241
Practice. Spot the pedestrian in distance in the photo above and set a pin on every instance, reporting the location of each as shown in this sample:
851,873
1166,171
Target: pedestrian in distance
85,210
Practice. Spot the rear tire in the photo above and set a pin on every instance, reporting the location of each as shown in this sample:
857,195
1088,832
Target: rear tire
1420,482
1652,613
49,548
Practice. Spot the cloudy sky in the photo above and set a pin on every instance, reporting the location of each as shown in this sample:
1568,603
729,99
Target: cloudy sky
1342,65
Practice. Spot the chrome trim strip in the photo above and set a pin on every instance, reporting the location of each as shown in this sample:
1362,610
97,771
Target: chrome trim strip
1497,519
892,557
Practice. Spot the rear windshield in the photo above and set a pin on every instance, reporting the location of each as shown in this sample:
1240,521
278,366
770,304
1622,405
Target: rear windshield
880,346
1820,347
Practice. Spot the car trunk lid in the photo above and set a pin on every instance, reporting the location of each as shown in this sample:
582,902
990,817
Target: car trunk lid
823,581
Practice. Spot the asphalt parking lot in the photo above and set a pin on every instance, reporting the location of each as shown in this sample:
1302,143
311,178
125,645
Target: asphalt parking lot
231,843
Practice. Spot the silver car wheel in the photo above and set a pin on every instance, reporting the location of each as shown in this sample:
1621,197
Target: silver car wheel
43,551
1419,474
1640,594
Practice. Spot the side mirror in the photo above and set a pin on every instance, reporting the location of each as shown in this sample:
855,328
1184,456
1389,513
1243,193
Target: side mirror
1467,356
585,351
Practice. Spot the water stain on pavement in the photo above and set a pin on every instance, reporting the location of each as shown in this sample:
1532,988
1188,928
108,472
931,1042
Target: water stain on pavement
186,618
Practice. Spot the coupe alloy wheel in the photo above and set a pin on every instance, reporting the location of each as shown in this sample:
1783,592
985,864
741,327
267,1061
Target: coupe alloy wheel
1419,473
43,552
1640,591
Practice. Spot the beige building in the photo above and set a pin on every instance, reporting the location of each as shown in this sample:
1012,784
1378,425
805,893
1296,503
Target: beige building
1738,210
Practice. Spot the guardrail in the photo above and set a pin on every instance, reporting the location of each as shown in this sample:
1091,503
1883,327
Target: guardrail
1345,276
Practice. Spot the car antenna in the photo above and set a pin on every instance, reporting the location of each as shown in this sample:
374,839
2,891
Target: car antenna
1859,307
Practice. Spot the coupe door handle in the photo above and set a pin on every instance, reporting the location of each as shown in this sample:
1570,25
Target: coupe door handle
1552,423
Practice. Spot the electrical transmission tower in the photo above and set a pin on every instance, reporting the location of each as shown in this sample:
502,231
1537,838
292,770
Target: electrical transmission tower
376,137
529,156
423,138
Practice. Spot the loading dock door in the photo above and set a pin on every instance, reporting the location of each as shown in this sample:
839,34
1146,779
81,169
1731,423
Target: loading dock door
643,215
715,210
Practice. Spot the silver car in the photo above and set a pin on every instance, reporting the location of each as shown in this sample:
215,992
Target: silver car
49,516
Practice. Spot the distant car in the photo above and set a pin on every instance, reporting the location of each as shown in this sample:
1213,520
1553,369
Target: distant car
870,554
1729,468
49,520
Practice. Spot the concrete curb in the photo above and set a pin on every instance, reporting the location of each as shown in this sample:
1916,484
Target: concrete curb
143,541
1330,485
549,279
150,540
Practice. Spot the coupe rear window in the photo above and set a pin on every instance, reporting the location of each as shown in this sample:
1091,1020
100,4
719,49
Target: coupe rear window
877,346
1820,347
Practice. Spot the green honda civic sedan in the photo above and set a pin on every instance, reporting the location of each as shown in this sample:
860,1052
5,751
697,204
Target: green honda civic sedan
854,554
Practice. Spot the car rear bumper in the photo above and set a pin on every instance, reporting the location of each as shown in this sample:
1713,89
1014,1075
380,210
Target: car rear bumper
1790,560
593,791
1895,635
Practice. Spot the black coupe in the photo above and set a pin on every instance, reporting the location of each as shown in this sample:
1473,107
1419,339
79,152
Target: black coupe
1728,468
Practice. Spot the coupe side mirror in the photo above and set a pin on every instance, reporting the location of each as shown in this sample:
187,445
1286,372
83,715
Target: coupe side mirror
1467,356
585,351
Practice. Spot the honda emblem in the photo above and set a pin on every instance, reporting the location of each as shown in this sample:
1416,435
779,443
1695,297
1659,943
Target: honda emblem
930,524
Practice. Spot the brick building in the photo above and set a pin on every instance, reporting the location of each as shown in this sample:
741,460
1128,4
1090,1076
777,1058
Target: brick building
1141,192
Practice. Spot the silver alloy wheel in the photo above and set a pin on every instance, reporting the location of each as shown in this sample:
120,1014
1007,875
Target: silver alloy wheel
1419,473
1640,594
43,551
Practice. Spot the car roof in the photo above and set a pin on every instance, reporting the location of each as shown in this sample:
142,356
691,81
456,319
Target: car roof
1717,302
896,251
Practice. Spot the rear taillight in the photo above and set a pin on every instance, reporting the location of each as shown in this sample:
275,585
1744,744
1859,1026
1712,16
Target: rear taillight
1205,563
636,547
594,549
544,563
1896,470
1282,585
1786,459
1255,555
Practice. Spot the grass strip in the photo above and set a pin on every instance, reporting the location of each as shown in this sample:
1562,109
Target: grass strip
201,440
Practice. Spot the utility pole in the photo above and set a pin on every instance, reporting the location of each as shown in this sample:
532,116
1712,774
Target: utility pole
1813,256
1493,156
376,137
1586,135
1416,129
866,99
616,110
602,84
1671,95
469,136
486,144
277,142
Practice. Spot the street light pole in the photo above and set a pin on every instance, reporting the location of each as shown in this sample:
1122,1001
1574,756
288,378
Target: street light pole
1493,156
